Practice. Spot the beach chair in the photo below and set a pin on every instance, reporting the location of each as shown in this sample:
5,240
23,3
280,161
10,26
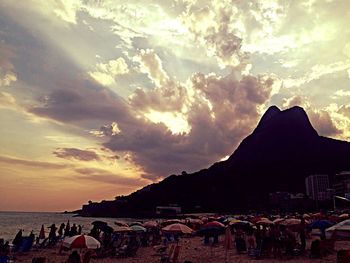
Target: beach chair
166,256
343,256
39,260
4,259
328,246
256,253
176,254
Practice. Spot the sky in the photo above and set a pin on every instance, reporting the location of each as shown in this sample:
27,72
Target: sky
100,98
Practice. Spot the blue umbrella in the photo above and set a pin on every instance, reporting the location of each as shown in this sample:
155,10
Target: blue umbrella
321,224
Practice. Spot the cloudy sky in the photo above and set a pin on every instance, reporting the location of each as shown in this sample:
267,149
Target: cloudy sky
99,98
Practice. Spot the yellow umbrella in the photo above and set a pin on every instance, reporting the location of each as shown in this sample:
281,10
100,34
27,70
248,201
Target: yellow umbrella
345,215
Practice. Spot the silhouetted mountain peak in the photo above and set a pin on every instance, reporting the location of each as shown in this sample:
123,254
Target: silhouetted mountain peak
268,115
292,120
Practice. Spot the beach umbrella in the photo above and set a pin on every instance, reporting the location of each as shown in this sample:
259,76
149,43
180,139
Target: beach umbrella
342,230
177,228
98,223
240,223
344,216
42,233
213,224
291,222
136,224
122,229
170,221
306,216
107,229
234,221
264,221
278,220
194,221
321,224
150,224
138,228
81,241
120,223
211,228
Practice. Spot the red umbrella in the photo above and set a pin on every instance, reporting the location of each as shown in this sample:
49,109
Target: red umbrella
264,221
122,229
150,224
120,223
81,241
213,224
42,232
178,228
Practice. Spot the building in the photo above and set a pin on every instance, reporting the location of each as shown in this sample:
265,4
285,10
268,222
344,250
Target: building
317,187
168,210
288,202
341,184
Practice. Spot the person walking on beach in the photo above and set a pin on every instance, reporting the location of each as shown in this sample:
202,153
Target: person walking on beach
67,229
60,230
73,230
302,235
258,238
79,229
52,234
17,240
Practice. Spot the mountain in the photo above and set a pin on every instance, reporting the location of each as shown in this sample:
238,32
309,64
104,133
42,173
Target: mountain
283,149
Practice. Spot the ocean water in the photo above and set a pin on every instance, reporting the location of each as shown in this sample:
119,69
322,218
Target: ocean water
11,222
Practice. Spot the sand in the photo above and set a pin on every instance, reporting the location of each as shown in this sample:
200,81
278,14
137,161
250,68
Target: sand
192,249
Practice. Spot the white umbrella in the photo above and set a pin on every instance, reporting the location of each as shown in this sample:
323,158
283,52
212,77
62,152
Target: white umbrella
81,241
342,230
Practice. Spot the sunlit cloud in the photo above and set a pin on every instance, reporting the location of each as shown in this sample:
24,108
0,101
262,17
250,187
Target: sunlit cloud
118,94
107,72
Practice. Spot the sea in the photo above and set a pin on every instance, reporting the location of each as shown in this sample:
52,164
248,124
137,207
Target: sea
12,222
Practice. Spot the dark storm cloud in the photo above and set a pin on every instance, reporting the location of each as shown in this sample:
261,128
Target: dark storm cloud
216,127
31,163
73,153
78,101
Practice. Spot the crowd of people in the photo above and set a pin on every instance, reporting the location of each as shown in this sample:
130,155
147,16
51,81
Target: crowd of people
257,236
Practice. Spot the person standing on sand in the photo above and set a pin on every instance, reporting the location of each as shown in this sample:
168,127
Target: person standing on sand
17,240
80,228
67,229
302,235
74,257
60,230
258,236
73,230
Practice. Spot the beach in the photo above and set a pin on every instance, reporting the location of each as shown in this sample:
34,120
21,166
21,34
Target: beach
192,249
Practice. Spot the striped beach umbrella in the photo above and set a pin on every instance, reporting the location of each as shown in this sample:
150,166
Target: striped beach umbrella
138,228
81,241
150,224
178,228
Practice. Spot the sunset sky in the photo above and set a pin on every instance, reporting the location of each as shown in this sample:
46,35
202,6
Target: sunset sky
100,98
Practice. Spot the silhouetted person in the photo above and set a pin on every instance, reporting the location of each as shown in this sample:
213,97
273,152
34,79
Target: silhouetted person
73,230
61,229
52,234
74,257
17,240
302,235
32,237
67,229
79,229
